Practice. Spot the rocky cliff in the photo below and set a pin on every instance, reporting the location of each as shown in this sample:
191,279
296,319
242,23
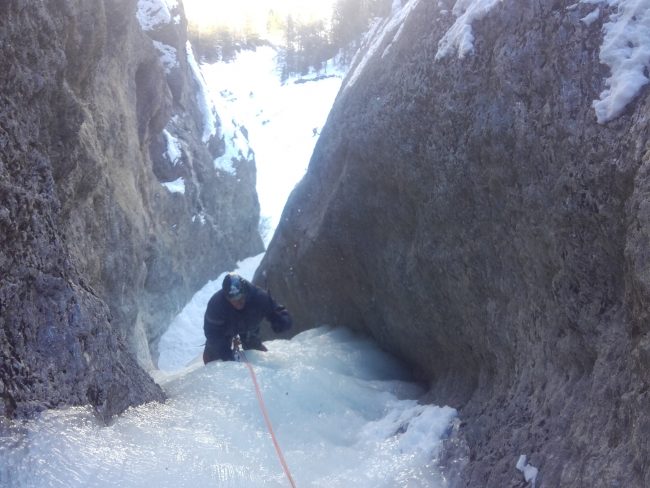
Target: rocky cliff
471,208
113,209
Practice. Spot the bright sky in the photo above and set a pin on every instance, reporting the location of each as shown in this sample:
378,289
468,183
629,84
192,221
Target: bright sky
235,13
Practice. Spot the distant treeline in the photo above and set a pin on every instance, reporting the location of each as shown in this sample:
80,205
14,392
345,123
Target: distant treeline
304,45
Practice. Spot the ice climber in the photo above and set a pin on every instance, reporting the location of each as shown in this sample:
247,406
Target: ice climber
238,309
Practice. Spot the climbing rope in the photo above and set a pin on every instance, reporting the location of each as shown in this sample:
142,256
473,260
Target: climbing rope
240,356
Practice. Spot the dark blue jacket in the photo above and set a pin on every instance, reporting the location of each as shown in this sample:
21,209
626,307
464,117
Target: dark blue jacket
222,321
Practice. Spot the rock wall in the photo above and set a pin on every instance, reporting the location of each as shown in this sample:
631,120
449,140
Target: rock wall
472,215
97,112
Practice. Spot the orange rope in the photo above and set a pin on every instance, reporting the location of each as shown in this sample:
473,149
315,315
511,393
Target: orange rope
266,419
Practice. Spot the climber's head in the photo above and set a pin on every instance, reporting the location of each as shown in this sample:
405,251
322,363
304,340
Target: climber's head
235,288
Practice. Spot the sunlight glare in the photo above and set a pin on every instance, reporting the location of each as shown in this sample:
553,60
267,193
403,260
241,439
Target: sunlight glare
237,13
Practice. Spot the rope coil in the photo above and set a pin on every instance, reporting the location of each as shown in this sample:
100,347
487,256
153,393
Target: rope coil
239,354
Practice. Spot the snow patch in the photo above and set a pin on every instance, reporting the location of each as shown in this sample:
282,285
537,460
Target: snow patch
200,217
168,56
460,37
176,186
626,50
225,163
236,143
173,148
591,18
153,13
207,108
414,425
529,471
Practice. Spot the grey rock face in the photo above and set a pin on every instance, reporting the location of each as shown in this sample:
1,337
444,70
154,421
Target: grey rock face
96,255
473,217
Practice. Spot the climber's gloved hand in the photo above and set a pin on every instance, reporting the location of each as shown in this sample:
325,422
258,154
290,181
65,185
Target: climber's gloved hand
282,321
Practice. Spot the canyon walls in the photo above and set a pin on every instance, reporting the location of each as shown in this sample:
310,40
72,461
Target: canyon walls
469,207
113,209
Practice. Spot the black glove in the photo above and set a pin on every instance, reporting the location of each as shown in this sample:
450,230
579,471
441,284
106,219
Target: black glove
282,322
